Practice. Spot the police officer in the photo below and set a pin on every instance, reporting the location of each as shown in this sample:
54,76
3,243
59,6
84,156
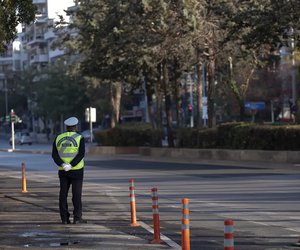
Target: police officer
68,153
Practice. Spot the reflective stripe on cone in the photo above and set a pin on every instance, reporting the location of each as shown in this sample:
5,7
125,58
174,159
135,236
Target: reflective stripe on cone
228,235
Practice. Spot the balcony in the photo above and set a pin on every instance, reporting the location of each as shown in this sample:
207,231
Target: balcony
49,35
55,53
36,39
39,58
41,19
6,61
39,1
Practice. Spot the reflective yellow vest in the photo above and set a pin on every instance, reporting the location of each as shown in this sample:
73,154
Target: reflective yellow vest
67,145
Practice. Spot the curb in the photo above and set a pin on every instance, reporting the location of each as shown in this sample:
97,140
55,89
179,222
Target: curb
203,154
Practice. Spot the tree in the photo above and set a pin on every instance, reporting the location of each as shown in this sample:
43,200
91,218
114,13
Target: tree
124,44
239,80
59,95
269,22
13,13
207,36
237,68
262,28
104,45
53,94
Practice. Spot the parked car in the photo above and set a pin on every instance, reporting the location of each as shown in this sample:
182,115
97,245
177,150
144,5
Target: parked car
87,134
21,138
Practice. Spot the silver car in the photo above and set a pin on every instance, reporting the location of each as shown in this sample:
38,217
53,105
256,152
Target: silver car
22,138
87,134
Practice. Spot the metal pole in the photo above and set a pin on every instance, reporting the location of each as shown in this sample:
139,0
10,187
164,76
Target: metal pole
294,97
192,115
6,99
293,67
12,131
272,112
91,124
191,100
146,102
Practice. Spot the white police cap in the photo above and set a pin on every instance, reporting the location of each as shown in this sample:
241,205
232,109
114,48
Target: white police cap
72,121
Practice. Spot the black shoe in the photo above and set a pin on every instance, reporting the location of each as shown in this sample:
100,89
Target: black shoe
65,222
80,221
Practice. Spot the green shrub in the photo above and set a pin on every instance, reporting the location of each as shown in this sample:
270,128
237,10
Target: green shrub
292,137
225,134
241,135
238,135
130,134
207,138
285,137
264,137
186,137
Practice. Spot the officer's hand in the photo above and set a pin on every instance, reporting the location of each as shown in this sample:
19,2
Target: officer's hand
66,166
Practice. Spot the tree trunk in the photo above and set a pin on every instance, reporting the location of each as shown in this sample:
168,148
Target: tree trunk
167,91
242,110
199,109
149,93
211,88
240,92
116,93
177,100
159,98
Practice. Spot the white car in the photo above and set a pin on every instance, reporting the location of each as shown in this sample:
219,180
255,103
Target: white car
22,138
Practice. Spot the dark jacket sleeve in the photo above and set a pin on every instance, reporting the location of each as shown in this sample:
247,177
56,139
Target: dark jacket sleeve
81,153
55,155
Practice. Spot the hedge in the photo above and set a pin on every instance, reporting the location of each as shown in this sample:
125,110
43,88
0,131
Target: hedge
237,135
131,134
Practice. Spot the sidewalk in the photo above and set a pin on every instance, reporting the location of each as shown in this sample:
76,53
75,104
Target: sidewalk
31,220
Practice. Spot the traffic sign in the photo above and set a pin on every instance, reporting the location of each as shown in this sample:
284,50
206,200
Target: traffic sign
255,105
90,114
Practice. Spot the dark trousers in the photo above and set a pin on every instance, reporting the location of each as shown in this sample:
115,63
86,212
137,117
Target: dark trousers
72,178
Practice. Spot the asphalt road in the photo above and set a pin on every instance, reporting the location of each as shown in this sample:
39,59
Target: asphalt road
261,199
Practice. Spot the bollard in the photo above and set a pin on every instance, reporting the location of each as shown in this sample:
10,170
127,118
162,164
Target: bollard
24,186
132,204
298,243
185,225
156,226
228,235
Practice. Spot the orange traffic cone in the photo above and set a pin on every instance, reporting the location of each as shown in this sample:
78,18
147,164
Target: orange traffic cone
24,186
132,204
185,225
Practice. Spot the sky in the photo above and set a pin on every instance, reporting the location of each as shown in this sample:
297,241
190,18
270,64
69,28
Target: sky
57,6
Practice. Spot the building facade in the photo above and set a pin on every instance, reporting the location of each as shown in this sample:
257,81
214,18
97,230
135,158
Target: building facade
31,50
